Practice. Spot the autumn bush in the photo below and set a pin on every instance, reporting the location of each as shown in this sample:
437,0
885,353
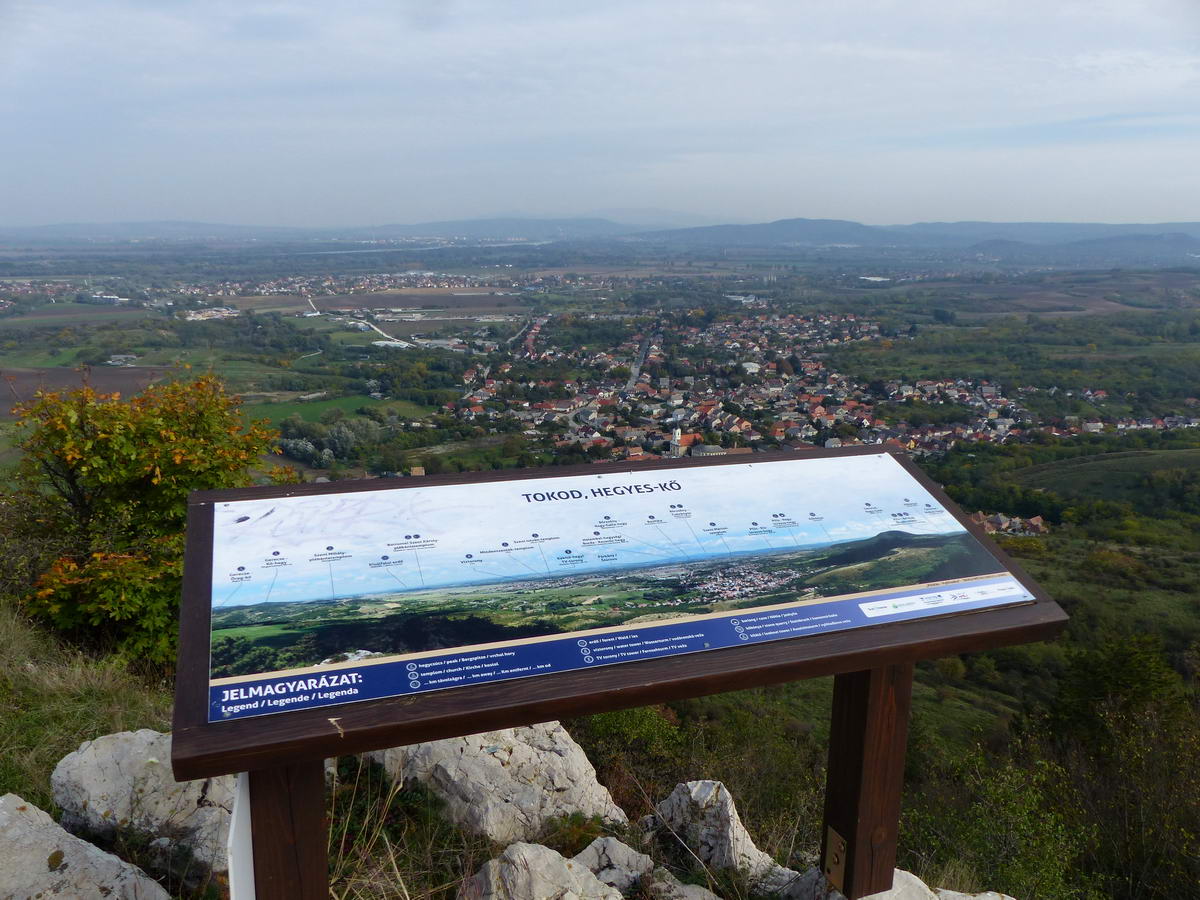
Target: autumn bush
106,481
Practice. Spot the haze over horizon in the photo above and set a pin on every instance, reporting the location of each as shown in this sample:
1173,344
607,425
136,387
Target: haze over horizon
305,115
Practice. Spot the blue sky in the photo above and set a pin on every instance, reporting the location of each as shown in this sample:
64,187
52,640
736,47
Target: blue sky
310,113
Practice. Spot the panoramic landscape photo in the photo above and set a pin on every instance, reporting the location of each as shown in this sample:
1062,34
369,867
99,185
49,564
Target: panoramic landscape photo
268,637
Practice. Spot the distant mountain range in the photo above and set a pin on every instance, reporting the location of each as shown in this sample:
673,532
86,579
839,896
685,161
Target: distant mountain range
1167,248
1168,243
804,232
968,233
1016,243
957,235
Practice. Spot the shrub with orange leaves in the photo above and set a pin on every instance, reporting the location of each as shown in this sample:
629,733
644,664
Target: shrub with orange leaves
113,477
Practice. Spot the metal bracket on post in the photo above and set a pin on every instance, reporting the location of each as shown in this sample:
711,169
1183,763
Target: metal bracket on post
834,861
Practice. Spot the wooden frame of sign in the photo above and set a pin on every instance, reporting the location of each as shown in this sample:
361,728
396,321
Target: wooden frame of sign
873,668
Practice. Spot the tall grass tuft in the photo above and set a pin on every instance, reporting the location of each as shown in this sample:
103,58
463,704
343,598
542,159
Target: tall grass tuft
387,840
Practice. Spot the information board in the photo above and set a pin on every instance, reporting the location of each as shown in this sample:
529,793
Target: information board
343,596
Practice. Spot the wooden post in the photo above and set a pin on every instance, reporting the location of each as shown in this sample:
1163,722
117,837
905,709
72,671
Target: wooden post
290,832
868,733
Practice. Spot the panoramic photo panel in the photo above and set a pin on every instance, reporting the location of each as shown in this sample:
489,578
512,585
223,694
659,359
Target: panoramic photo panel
341,597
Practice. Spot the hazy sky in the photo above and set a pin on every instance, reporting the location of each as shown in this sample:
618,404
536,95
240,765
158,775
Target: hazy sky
322,113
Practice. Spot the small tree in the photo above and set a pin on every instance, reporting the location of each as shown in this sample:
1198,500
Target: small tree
111,479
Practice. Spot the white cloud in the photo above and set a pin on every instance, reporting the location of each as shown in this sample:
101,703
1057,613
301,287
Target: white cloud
470,106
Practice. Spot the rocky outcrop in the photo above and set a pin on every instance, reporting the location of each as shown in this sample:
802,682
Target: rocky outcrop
606,870
635,874
616,864
907,886
702,815
123,782
662,885
506,784
528,871
41,859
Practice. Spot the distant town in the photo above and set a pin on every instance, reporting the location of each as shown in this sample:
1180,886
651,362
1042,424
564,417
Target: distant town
733,375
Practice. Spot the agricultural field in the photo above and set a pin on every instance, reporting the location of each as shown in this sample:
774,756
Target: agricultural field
278,406
444,298
263,303
417,311
1054,295
20,384
18,355
1110,476
462,301
76,314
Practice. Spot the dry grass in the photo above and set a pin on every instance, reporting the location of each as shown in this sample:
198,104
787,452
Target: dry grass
53,697
388,841
955,875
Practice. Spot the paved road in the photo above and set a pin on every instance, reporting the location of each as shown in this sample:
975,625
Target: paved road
636,369
371,324
579,412
390,337
524,327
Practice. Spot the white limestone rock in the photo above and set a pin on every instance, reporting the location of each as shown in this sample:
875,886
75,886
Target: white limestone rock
506,784
532,872
123,782
943,894
662,885
614,863
622,867
781,881
40,859
905,886
702,815
813,886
